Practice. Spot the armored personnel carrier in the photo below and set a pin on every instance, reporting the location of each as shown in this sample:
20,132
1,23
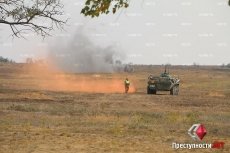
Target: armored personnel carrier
164,82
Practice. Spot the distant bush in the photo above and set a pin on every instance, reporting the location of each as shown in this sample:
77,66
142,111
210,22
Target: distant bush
5,60
228,65
195,64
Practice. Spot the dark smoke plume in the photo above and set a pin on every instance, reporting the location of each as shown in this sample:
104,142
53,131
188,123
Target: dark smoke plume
81,55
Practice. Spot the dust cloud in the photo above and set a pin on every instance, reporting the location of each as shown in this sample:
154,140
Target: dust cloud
46,77
79,65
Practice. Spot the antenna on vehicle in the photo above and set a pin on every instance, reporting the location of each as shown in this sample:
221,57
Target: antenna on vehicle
165,68
168,69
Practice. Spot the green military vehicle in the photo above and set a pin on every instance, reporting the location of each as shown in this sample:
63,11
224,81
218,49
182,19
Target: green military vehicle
164,82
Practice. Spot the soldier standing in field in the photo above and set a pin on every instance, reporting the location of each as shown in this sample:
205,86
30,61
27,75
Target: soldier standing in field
127,83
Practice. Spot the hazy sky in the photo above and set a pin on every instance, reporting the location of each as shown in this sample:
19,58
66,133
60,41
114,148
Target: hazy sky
148,32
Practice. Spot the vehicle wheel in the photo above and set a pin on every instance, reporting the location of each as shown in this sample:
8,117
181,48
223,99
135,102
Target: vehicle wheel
148,90
177,90
154,92
172,91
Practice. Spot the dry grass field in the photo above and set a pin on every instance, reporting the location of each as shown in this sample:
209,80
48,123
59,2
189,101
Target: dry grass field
47,118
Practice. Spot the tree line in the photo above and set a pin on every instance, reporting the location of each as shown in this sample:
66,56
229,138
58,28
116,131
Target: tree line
6,60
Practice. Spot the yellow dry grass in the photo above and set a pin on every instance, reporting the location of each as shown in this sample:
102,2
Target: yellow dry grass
36,120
